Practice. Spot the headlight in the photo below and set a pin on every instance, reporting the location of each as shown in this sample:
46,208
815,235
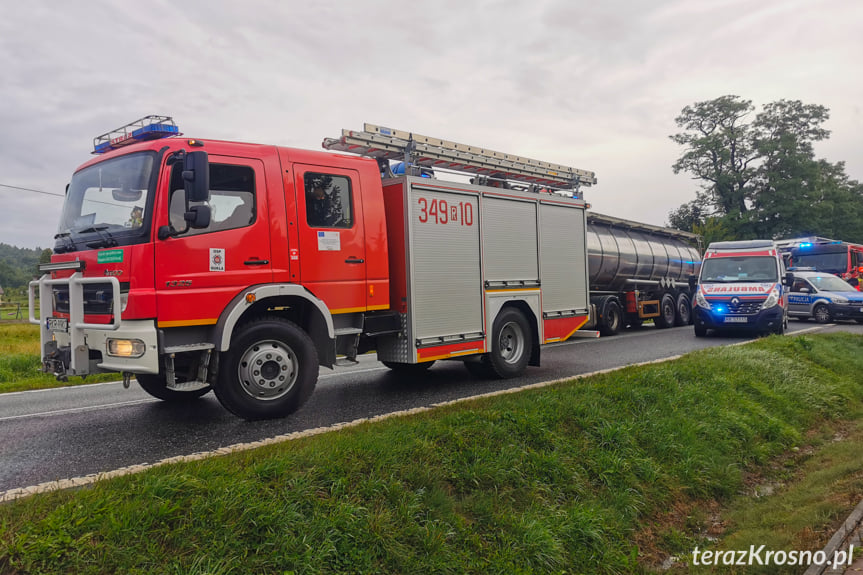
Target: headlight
772,299
126,347
701,301
841,300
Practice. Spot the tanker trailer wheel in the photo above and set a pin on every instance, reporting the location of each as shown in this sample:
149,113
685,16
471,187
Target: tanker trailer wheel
510,344
667,312
821,313
612,319
684,310
269,371
157,386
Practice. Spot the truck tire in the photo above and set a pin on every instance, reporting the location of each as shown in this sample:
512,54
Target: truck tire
700,331
157,386
612,319
667,312
684,310
822,314
510,344
408,368
269,371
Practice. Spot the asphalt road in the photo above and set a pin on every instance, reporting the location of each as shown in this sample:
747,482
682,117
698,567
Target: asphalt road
75,431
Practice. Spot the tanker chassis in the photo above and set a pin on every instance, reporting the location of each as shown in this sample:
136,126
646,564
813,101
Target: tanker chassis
638,272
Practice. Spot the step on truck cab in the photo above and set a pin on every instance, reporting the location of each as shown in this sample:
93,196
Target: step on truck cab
200,264
742,285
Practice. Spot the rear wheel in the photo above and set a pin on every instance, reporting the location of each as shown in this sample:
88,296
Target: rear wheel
269,371
821,313
667,312
612,319
684,310
157,386
510,344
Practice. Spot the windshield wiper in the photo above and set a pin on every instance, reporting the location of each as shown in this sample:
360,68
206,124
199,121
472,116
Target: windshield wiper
105,240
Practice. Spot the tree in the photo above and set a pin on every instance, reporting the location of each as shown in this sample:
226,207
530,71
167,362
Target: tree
760,177
719,151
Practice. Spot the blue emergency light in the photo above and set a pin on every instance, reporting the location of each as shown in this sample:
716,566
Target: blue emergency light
147,128
805,245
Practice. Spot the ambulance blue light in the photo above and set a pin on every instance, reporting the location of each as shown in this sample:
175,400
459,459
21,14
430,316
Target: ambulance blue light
806,245
719,309
147,128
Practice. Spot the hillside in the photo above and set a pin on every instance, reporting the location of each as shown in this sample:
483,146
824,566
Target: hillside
19,265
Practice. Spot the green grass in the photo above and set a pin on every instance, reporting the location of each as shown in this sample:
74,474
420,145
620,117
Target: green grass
813,491
20,363
575,478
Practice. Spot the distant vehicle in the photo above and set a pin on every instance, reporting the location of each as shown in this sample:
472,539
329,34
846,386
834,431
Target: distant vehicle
836,257
824,297
742,285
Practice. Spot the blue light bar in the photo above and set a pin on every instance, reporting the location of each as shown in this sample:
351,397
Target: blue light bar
806,245
147,128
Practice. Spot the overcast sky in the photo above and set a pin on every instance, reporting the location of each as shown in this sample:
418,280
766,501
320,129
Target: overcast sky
593,85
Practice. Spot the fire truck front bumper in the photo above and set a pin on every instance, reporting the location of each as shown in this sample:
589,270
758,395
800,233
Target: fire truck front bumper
133,348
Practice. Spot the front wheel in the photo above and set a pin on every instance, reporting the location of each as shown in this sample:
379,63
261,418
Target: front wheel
510,345
821,314
157,386
269,371
700,331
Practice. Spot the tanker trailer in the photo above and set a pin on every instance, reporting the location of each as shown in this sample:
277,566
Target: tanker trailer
639,272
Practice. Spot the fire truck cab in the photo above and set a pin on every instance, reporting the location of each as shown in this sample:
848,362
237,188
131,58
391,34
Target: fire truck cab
200,264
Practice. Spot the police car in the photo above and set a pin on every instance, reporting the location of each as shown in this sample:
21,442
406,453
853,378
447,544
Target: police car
824,297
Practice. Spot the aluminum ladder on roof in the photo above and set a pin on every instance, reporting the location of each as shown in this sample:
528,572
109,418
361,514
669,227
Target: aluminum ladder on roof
425,152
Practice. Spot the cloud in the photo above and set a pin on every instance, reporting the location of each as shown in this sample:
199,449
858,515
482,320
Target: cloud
592,85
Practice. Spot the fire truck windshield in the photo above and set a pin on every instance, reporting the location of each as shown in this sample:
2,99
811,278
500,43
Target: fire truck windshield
730,269
109,198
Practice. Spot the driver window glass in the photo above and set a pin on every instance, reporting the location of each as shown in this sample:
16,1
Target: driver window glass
232,198
799,285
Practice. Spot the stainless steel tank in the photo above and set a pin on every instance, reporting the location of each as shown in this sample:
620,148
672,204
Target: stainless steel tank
619,250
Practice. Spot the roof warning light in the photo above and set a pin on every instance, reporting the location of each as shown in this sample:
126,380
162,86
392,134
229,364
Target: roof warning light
147,128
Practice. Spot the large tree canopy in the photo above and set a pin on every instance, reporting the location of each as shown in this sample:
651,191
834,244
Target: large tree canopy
759,174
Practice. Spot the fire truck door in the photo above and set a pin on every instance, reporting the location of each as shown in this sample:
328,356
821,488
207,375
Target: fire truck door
200,271
332,236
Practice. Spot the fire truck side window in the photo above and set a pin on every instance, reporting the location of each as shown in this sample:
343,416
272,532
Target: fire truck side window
232,198
328,200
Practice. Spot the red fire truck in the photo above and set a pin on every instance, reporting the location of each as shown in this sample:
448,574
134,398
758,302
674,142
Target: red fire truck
199,264
843,259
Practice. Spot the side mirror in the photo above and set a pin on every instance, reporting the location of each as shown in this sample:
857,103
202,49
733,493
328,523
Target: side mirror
693,282
805,290
196,176
788,279
198,216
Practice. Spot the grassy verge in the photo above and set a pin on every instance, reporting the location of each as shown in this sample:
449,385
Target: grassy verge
796,504
563,479
19,361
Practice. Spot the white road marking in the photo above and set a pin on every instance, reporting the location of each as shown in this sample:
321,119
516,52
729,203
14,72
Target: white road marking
78,409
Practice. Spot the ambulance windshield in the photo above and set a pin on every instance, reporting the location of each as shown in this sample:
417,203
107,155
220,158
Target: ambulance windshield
733,269
110,197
